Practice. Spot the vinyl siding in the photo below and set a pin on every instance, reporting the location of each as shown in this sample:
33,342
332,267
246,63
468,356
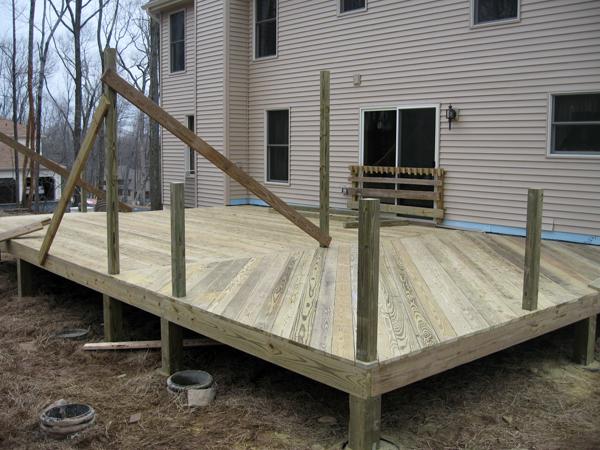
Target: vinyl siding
239,45
177,97
210,110
425,52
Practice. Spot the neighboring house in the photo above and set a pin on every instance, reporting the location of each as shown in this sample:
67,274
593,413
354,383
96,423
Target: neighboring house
524,76
49,184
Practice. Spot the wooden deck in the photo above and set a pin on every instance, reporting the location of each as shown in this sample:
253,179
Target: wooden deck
257,283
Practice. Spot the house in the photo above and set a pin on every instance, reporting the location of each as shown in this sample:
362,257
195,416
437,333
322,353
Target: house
49,184
523,77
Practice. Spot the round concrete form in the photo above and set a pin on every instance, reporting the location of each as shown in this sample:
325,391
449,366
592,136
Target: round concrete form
63,420
197,386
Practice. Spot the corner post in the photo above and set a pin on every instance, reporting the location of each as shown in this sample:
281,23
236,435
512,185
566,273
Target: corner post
324,153
531,278
172,334
25,275
585,341
113,309
365,414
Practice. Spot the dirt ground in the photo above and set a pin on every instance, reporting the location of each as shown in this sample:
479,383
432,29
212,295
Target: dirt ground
528,397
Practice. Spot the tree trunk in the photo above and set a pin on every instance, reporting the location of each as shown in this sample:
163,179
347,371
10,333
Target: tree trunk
78,84
154,153
14,98
33,190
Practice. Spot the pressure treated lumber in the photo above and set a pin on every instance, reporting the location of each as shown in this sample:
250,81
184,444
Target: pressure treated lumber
391,193
585,341
25,276
364,428
145,345
171,336
178,282
407,210
110,164
113,318
78,166
155,112
368,280
531,277
57,168
324,153
23,230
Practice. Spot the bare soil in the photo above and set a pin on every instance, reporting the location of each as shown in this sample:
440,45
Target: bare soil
528,397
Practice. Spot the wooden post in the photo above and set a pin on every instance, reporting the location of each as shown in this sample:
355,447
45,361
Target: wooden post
25,275
324,154
113,319
112,187
113,309
585,341
365,414
83,196
171,336
178,240
531,279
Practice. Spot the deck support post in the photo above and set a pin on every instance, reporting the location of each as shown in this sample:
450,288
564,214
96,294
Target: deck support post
25,272
324,155
585,341
113,319
531,278
171,347
172,334
365,413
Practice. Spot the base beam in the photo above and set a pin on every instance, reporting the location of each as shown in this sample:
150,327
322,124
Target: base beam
171,336
25,275
365,423
113,319
585,341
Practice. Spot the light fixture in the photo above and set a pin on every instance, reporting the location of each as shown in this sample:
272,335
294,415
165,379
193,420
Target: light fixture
451,114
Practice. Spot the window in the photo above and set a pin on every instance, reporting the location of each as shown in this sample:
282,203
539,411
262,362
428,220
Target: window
190,157
278,148
265,30
352,5
177,41
575,124
486,11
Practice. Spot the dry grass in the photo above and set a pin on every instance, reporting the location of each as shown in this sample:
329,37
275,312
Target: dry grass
528,397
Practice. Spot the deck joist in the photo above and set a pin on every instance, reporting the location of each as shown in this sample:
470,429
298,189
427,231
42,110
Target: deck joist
258,284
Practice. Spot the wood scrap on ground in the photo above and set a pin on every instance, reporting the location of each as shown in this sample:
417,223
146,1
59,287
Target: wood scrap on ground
145,345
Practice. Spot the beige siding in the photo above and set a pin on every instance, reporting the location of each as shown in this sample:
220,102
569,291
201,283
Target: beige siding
424,52
177,97
210,115
239,44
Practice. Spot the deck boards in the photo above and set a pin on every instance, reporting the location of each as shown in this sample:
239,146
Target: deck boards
253,268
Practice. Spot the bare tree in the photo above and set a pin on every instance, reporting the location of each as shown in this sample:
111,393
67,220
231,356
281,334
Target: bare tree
154,144
14,96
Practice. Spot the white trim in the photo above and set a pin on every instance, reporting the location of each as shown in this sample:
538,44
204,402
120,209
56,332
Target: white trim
549,113
351,12
226,95
493,22
397,108
265,146
185,38
276,55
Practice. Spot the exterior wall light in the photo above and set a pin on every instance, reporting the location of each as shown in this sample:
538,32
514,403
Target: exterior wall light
451,114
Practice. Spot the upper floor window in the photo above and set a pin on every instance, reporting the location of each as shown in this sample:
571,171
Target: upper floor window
352,5
575,124
278,146
486,11
177,41
265,29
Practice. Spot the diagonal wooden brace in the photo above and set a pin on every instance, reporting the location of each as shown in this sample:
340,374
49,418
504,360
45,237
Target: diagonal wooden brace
56,168
78,166
155,112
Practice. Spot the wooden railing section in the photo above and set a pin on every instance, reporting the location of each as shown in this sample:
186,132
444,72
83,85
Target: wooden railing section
399,176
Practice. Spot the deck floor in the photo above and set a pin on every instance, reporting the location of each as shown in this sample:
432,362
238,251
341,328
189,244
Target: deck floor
252,267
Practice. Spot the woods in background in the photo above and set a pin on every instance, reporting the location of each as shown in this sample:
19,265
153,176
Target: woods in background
49,80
